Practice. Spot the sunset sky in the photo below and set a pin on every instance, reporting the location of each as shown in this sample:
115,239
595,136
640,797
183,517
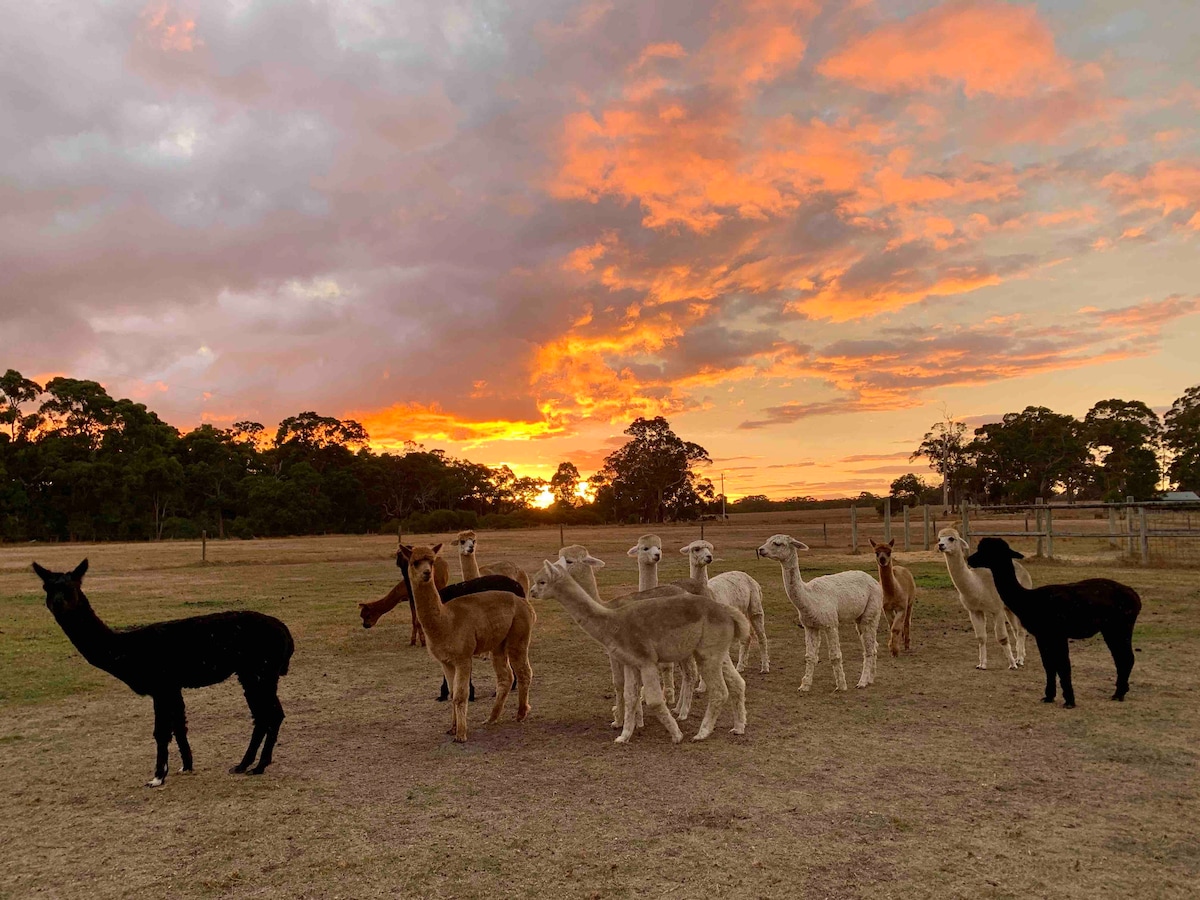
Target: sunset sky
799,230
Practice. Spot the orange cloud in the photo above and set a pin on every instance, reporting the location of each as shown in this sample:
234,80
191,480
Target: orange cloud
985,47
1169,186
391,427
167,28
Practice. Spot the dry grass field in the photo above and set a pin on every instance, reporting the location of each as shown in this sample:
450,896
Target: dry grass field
939,781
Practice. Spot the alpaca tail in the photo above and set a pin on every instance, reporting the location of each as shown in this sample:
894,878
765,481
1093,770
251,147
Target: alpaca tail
289,649
756,607
741,626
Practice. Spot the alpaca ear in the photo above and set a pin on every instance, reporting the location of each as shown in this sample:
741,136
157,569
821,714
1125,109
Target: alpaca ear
873,544
437,548
892,542
686,550
633,551
43,574
593,562
404,552
1016,554
80,571
799,545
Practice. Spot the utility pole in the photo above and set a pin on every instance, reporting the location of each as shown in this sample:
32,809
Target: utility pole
723,516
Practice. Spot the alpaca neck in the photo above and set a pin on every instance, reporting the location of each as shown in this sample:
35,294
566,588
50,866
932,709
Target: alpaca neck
1010,590
429,609
591,615
647,576
797,590
699,572
91,637
470,567
887,581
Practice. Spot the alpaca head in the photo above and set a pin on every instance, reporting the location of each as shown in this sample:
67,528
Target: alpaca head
950,541
647,551
63,592
466,542
549,575
995,554
420,562
781,548
883,552
699,553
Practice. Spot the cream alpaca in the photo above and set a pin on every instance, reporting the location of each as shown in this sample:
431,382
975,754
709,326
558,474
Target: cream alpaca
978,595
899,594
823,604
736,589
652,631
495,622
468,544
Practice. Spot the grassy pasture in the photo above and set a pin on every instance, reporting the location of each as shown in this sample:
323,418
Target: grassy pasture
939,781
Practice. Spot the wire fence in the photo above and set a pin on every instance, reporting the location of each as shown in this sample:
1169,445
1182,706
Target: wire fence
1150,533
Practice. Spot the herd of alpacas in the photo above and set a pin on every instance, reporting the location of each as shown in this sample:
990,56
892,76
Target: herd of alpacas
698,624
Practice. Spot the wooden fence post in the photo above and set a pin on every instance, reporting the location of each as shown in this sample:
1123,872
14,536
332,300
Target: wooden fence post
1129,524
853,529
887,519
1037,519
966,529
561,542
906,547
204,545
825,532
1112,526
1144,536
1049,533
925,513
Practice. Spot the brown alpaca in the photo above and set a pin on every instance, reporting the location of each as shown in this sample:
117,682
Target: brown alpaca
495,622
899,594
467,543
373,610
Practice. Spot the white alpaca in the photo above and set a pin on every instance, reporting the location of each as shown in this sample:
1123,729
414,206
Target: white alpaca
651,631
468,544
736,589
648,551
823,604
978,595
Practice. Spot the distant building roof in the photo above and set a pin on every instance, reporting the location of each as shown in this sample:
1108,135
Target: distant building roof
1179,495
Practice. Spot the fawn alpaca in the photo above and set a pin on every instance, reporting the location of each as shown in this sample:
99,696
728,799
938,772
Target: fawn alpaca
163,658
899,594
468,543
496,622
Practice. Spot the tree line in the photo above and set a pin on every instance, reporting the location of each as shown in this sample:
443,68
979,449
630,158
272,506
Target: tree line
77,464
1119,449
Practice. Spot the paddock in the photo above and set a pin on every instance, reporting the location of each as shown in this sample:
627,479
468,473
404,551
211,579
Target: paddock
937,781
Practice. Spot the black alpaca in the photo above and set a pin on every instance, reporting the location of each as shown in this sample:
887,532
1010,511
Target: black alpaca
1054,613
161,659
451,591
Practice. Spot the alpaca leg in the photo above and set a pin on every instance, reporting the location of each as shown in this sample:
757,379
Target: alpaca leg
896,634
1005,643
1063,664
666,674
258,711
416,626
180,729
444,693
908,623
462,682
1049,664
448,678
737,686
518,660
504,677
687,688
657,704
1120,644
273,710
833,643
617,671
743,652
870,649
718,693
164,720
638,707
758,623
979,624
632,702
1017,630
812,656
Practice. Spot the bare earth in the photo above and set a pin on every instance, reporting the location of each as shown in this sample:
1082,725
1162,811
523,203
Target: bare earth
939,781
